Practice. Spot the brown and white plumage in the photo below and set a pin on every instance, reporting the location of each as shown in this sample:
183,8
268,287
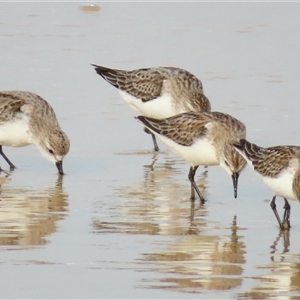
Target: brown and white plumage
279,167
158,92
26,118
202,139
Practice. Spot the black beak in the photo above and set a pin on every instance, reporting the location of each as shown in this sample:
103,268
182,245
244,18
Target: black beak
59,167
235,177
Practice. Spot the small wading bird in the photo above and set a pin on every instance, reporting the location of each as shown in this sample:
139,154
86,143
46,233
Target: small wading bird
158,92
279,168
202,139
26,118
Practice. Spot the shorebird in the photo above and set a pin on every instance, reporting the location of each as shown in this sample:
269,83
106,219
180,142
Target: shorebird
279,168
202,139
158,92
26,118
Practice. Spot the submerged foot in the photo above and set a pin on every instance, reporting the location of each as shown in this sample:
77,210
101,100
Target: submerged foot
285,225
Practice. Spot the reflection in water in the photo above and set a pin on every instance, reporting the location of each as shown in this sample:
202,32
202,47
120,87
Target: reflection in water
285,236
283,277
158,205
27,215
196,262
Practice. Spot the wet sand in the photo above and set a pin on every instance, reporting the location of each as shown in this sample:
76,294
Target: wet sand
120,223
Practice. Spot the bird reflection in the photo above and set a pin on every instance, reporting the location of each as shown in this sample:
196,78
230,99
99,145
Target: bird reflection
196,257
157,204
155,178
151,166
285,236
196,262
28,216
281,278
4,179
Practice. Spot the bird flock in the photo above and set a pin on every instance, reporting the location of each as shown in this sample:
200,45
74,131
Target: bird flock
171,106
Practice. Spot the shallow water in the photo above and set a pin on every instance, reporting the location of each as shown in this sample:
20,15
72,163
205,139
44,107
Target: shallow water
120,223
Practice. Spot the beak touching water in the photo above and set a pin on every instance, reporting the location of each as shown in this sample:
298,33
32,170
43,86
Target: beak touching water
60,168
235,177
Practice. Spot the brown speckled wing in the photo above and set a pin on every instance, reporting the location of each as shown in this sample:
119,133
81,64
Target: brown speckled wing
269,161
10,104
27,102
145,84
182,129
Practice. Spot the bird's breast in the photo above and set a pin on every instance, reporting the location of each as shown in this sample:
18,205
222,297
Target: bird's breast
161,107
282,185
15,133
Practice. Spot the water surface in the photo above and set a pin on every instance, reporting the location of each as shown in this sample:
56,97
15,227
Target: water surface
120,223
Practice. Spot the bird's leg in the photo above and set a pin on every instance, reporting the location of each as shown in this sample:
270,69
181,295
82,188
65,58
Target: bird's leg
153,138
191,177
154,142
7,160
273,206
286,215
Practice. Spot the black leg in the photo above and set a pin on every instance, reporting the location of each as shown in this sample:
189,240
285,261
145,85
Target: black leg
153,138
7,160
154,142
286,215
191,177
194,187
286,222
273,206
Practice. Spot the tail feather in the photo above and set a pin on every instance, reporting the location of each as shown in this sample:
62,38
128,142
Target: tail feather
110,75
150,123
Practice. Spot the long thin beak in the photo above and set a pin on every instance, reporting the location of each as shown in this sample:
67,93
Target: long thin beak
59,167
235,177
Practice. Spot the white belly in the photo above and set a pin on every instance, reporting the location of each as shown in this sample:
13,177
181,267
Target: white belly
201,152
282,185
15,133
160,108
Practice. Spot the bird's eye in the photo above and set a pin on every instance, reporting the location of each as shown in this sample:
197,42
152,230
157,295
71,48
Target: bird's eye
50,151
